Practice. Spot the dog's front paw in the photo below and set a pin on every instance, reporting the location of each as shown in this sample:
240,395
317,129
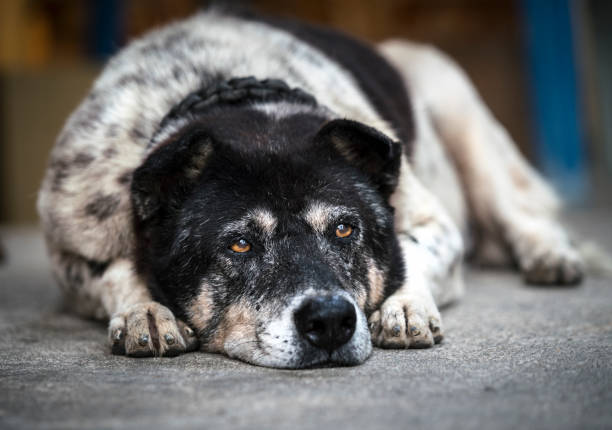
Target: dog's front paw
549,265
149,329
406,321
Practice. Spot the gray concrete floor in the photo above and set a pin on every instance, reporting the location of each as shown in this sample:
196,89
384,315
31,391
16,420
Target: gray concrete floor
514,356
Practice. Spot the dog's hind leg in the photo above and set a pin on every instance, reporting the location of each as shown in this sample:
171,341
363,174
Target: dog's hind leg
514,210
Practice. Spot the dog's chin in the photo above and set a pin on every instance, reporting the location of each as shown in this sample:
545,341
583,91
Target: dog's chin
308,359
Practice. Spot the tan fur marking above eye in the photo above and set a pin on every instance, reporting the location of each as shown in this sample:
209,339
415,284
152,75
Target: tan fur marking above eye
200,311
265,220
237,329
376,278
318,216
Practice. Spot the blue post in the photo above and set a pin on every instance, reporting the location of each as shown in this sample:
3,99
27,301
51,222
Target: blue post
559,136
106,18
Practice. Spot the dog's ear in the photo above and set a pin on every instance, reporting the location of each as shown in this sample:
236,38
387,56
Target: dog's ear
169,172
375,154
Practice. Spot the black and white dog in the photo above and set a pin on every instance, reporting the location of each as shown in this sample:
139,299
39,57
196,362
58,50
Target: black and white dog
285,195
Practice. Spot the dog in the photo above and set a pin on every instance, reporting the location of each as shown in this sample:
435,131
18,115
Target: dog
286,195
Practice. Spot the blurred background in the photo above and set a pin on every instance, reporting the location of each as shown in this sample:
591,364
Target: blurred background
543,66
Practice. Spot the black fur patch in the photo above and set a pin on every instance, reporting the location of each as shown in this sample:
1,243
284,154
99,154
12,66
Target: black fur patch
97,268
76,270
103,206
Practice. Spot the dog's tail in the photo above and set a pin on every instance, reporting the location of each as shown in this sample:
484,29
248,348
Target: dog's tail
597,260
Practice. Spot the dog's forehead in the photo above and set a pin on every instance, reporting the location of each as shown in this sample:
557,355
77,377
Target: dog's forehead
260,130
264,219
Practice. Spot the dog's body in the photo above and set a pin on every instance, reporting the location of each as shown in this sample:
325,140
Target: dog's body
273,221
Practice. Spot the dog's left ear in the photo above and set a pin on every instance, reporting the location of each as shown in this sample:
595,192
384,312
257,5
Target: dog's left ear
368,149
169,172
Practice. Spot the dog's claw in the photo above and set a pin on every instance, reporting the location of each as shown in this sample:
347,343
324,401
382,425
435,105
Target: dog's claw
191,340
435,330
169,338
143,339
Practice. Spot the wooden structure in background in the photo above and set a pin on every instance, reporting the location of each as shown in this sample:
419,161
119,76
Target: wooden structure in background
485,37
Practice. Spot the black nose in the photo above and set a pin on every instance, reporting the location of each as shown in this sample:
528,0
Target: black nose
327,322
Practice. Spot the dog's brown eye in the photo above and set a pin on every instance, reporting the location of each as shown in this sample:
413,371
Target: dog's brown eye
344,230
241,246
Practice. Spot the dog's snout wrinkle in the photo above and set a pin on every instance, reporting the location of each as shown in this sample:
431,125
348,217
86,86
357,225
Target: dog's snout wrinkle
326,322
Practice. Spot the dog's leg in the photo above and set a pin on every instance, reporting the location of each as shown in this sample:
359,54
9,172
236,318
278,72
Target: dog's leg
433,250
513,207
138,326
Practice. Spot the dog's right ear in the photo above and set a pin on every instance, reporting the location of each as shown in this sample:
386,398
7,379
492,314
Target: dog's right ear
377,155
169,171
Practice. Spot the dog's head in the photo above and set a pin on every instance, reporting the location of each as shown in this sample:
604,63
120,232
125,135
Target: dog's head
270,234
